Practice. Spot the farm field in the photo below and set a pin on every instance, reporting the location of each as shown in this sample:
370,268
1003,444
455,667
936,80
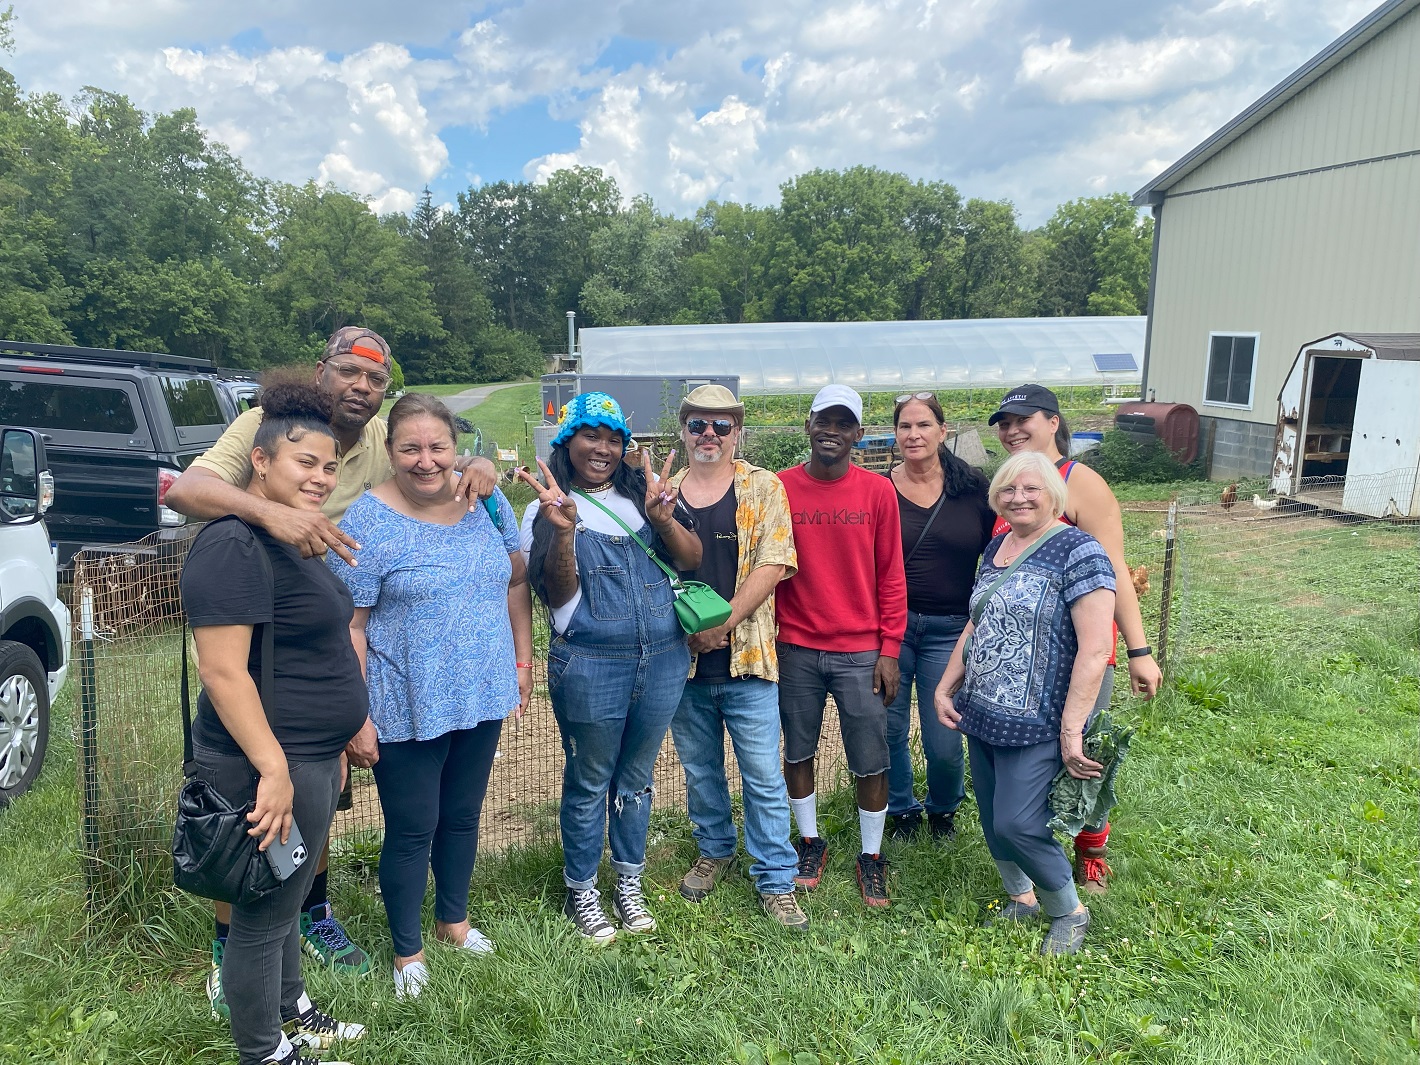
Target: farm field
1263,908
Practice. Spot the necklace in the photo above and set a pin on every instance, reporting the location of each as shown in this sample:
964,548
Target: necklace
597,487
1008,559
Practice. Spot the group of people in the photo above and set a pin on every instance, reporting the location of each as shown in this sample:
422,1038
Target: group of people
399,587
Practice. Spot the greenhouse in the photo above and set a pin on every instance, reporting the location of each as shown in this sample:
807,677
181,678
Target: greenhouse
801,357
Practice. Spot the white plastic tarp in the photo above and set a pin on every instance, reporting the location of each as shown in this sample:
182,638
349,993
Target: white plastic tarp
874,356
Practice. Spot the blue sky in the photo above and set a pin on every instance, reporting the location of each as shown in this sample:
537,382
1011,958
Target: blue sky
1036,101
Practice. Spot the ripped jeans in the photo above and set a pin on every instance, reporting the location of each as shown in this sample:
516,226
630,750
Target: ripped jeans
613,711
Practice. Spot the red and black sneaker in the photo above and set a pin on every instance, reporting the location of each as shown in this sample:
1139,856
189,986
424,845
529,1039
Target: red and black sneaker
813,856
872,880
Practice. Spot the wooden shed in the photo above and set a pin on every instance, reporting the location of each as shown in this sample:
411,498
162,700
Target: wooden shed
1348,432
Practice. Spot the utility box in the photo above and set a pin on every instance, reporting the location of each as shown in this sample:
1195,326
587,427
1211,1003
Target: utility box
650,402
1175,425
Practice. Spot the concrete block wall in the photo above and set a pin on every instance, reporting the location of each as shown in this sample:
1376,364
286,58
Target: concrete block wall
1240,449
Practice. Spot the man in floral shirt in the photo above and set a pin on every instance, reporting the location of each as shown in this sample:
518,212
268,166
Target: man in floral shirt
742,518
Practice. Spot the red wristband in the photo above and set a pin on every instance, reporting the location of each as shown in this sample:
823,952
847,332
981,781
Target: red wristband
523,665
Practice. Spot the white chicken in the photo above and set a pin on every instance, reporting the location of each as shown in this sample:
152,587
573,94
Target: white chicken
1263,504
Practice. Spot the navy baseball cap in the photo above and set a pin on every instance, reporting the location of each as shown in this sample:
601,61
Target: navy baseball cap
1026,399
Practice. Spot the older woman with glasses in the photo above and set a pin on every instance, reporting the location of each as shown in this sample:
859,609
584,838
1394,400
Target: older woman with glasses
1022,683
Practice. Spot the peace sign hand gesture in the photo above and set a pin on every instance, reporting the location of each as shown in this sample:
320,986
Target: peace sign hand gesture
661,496
553,504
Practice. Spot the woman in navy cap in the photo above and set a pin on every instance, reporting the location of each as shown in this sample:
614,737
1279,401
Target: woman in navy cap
1029,420
618,659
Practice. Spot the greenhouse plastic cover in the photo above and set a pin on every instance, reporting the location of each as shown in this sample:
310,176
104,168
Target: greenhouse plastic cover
874,356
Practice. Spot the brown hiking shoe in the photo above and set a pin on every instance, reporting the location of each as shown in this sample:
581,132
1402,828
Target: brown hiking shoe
704,874
785,910
1091,870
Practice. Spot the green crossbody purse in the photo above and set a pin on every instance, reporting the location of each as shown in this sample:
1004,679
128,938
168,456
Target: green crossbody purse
697,606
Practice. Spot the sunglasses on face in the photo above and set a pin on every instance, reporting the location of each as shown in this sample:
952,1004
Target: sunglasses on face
722,426
350,373
906,396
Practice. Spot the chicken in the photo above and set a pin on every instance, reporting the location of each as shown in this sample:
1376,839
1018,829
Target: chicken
1229,497
1139,575
1263,504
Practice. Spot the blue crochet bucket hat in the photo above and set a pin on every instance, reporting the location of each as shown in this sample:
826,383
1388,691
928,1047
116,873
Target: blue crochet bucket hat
592,408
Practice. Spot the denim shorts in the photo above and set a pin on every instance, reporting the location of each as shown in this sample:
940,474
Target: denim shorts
806,679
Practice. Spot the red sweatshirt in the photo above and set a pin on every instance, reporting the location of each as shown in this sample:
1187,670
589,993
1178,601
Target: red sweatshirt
850,593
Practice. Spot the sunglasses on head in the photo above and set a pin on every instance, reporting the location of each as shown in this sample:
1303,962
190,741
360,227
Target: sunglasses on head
722,426
906,396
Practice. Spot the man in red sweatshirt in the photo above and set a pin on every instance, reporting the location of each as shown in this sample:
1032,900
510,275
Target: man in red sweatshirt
841,621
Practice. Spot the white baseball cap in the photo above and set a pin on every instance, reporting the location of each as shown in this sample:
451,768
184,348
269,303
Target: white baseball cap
838,396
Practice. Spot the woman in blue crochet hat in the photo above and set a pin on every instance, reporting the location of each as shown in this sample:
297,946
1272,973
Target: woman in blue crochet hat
618,658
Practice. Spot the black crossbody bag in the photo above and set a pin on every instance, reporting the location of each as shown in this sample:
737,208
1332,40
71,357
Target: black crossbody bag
213,854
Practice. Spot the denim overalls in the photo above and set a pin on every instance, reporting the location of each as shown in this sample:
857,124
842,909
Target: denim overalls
615,676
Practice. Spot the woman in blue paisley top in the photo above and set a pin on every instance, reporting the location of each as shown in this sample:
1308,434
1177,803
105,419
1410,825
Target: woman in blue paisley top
1024,690
443,628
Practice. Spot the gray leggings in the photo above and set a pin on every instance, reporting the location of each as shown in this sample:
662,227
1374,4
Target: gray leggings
261,966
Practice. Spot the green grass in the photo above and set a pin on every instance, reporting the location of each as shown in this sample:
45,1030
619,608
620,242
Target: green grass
1263,908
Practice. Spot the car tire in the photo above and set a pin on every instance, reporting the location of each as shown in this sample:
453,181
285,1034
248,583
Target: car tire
24,719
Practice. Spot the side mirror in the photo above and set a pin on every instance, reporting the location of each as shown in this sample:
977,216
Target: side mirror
26,485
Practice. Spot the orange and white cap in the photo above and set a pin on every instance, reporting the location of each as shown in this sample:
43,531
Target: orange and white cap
356,340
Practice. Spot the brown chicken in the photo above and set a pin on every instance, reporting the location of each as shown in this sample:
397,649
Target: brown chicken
1139,575
1229,497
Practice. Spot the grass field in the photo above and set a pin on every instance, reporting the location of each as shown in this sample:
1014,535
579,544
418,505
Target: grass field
1263,910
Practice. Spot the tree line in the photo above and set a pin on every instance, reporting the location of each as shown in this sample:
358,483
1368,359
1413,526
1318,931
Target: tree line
128,230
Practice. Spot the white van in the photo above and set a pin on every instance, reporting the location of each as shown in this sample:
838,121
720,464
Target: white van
34,624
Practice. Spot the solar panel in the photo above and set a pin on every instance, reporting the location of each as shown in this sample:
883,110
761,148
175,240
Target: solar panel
1119,363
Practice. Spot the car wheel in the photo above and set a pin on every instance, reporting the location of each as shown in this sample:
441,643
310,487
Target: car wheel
24,719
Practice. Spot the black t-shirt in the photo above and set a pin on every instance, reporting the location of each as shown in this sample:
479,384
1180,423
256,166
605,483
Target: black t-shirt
719,566
320,698
941,574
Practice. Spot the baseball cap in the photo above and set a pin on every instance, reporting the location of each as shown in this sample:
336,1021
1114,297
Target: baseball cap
713,399
838,396
1026,399
357,340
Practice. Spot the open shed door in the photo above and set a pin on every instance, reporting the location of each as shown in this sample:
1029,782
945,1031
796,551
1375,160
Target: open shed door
1381,480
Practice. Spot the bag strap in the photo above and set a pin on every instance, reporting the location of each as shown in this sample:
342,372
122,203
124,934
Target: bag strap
267,688
672,574
980,607
926,528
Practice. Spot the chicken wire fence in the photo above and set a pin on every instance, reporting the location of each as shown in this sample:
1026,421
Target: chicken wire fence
1211,573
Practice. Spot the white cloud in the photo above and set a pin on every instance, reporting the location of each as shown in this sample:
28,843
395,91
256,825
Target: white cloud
1126,70
1031,99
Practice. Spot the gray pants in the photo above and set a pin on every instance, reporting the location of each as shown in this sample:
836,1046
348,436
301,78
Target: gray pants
1012,786
261,966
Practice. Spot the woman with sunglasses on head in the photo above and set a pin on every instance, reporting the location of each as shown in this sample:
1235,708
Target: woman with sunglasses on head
1029,419
618,660
946,524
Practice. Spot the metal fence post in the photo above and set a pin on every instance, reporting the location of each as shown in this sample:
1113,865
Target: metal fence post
1170,559
88,742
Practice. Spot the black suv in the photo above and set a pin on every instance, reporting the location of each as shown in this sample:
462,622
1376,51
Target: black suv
118,427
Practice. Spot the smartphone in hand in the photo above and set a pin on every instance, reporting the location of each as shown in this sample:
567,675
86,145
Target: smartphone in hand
286,858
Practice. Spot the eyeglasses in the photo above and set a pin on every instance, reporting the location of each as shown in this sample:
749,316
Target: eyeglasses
1030,491
722,426
906,396
350,373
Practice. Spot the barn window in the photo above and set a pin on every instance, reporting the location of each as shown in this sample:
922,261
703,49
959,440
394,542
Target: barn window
1232,358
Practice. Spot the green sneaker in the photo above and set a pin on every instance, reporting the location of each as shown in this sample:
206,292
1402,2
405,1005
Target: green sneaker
216,997
326,941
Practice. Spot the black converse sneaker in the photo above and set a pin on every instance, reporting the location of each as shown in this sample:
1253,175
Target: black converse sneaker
584,907
630,906
316,1030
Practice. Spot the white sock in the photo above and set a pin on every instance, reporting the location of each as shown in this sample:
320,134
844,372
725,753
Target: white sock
806,814
870,824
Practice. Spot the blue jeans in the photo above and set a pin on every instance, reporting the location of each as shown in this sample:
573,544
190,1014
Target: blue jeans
748,709
613,714
926,649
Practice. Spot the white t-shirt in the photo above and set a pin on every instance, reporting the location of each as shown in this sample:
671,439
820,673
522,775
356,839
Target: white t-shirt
588,517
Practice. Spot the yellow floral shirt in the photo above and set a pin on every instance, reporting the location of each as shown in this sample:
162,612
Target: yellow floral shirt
766,538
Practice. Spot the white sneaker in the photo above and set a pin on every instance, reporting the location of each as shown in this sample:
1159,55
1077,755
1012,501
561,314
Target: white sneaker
410,980
477,943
